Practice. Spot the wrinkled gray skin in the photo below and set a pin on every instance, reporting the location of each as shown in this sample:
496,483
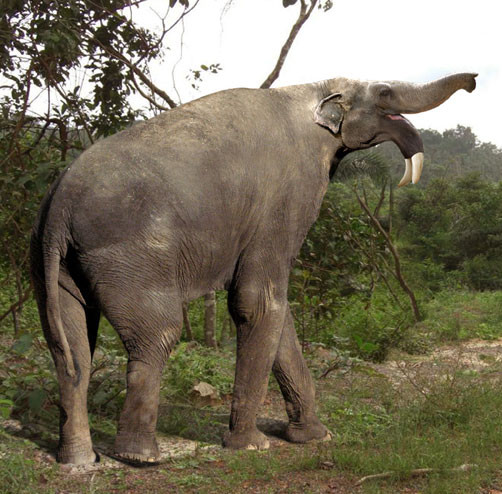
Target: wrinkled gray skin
219,192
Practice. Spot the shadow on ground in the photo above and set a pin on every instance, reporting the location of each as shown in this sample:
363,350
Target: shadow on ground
181,430
207,425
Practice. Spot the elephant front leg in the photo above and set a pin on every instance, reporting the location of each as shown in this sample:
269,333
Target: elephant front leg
259,320
297,388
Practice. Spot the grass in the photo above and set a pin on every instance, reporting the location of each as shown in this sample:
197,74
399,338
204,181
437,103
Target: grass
443,421
424,434
441,415
20,472
462,315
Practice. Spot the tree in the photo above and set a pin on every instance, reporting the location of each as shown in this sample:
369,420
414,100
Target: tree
210,319
349,252
85,58
43,46
456,226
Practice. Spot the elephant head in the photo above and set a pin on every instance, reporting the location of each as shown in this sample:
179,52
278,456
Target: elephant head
364,114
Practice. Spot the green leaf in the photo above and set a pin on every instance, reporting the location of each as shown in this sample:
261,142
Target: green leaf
5,408
100,397
36,400
368,347
23,344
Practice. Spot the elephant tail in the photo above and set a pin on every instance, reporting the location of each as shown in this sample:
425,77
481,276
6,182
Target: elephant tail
52,258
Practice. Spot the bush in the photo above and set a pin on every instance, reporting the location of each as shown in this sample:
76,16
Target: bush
375,325
483,272
190,363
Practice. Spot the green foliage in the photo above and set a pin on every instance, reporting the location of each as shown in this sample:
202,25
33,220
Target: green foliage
449,155
57,48
483,271
19,473
107,388
370,327
323,4
5,407
353,422
43,43
190,363
372,164
223,323
196,75
265,465
28,385
457,226
21,188
333,264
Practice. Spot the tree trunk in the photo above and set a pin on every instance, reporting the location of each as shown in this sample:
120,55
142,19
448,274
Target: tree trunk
210,319
225,331
391,205
15,320
186,323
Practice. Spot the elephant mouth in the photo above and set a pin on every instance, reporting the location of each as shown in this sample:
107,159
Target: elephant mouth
402,132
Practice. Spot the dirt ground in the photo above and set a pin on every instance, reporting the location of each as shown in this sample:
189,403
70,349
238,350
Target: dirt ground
401,370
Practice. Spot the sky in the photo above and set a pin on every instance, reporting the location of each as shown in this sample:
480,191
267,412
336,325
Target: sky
409,40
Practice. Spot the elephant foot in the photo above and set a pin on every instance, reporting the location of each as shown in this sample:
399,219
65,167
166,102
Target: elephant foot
248,439
77,454
136,448
312,430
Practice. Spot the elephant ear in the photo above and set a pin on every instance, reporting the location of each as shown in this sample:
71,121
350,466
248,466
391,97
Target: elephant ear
329,113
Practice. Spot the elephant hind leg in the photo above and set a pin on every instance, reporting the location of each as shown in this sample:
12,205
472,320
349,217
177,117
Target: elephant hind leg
80,326
297,388
149,325
257,307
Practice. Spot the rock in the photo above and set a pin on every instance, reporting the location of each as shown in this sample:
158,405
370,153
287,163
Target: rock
205,394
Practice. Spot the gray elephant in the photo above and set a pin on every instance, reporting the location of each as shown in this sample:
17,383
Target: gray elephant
217,193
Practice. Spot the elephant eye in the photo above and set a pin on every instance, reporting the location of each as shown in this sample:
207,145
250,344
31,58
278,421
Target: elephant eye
385,92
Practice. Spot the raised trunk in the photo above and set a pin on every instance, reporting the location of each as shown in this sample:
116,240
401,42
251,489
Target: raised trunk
416,98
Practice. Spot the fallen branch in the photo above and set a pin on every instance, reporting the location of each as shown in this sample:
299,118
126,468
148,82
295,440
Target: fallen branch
418,472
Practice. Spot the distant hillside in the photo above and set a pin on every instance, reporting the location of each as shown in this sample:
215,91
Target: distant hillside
453,153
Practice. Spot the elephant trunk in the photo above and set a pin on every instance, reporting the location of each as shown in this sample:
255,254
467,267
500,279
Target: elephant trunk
416,98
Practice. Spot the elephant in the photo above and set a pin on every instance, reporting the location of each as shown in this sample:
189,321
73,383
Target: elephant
218,193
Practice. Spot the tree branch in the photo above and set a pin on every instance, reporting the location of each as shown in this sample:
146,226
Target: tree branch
186,323
380,199
148,98
17,304
302,18
395,255
375,265
141,75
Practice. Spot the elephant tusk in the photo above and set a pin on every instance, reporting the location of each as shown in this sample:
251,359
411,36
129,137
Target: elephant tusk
417,163
407,174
